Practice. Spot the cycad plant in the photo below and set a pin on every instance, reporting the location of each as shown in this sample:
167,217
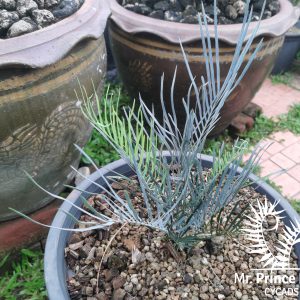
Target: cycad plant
181,198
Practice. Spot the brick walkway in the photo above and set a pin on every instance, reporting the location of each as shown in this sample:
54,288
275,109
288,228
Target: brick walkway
282,158
276,99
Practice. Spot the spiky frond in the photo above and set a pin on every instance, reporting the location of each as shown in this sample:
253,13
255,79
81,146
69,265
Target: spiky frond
117,130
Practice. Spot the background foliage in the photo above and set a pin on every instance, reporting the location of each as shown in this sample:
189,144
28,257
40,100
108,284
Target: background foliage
26,281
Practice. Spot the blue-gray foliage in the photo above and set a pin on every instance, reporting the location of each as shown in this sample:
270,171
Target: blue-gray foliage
181,198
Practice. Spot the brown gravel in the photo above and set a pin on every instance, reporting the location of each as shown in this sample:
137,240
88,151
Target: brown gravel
142,264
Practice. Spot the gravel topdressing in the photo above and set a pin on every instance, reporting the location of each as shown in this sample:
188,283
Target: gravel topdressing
186,11
18,17
141,263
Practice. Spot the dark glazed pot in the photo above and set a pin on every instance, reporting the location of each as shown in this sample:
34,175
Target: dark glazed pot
288,51
40,118
54,260
144,48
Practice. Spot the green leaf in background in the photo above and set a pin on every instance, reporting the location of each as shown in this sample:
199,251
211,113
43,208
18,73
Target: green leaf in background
26,281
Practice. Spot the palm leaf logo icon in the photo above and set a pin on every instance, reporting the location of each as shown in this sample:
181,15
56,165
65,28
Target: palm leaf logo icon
255,233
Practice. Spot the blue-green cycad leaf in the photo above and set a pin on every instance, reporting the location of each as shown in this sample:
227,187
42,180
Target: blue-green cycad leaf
181,198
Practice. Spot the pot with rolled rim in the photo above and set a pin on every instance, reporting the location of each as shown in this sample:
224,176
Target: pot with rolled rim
144,48
40,117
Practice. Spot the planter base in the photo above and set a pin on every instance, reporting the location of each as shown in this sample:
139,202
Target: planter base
18,233
245,120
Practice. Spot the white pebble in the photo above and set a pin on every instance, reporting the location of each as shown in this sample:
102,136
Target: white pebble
238,294
134,280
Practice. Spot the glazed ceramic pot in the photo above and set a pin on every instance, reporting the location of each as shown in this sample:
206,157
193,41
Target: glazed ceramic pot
144,48
288,51
56,270
40,118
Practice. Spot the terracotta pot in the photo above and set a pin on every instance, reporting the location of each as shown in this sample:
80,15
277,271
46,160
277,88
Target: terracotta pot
144,48
56,270
40,119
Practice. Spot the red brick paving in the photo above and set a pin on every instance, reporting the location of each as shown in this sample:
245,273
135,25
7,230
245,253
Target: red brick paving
283,155
274,147
265,156
286,138
275,99
282,161
295,172
290,186
270,169
293,151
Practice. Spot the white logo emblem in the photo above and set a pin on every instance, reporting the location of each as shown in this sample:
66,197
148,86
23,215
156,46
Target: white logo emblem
255,233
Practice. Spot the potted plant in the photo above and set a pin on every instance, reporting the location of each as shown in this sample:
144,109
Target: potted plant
141,40
157,224
45,48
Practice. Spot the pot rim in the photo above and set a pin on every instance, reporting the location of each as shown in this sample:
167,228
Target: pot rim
55,269
175,32
50,44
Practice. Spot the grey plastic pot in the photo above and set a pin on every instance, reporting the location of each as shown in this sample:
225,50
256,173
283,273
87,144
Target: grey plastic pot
54,261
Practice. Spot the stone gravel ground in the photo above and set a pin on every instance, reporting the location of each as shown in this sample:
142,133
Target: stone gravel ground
186,11
142,264
18,17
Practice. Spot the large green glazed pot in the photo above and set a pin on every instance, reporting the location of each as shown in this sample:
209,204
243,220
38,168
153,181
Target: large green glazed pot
40,117
144,48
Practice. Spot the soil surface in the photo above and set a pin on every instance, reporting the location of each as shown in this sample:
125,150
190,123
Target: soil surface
141,263
186,11
18,17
